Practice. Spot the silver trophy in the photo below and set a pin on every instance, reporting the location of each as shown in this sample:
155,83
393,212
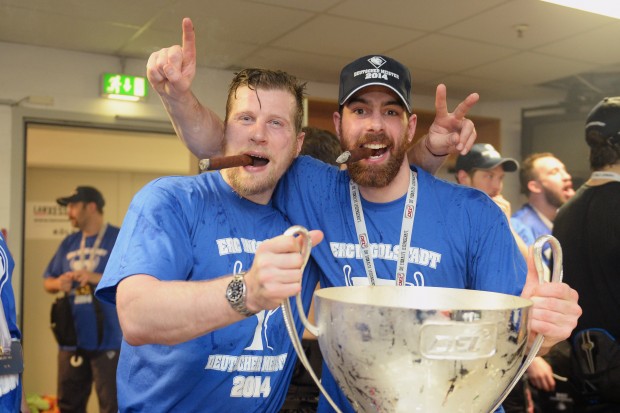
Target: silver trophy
421,349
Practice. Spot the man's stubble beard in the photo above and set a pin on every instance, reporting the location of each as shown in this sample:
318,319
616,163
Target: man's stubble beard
247,185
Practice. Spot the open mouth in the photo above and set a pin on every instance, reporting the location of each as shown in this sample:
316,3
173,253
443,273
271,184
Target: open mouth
378,149
259,161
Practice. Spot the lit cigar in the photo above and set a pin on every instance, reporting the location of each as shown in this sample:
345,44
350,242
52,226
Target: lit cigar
223,162
354,155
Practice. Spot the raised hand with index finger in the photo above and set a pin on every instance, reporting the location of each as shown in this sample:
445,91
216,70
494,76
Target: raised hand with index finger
171,70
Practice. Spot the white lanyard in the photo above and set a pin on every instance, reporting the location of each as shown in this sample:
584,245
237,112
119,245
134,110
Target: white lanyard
405,232
89,265
606,175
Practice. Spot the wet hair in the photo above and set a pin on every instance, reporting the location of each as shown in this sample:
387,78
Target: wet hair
266,79
526,173
603,132
603,150
321,144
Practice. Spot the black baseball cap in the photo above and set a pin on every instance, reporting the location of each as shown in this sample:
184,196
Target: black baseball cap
605,118
83,194
484,156
375,70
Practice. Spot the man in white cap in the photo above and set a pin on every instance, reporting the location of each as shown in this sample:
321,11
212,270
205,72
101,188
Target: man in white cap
484,168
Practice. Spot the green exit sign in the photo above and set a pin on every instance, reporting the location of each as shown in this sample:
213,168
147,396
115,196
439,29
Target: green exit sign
123,87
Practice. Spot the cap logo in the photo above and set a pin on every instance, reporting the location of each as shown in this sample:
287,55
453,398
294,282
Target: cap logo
376,73
491,154
377,61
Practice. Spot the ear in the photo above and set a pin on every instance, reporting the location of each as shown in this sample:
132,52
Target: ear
463,178
534,187
411,126
337,118
300,142
90,206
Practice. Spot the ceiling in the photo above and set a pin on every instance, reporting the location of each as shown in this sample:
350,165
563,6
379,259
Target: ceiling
503,49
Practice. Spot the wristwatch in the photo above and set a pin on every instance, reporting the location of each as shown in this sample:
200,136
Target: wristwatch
235,294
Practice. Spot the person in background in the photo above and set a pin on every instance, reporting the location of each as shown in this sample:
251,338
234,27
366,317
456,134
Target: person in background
588,227
11,389
484,168
547,186
75,270
321,144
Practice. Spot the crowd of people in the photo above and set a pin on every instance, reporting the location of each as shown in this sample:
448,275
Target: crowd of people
179,308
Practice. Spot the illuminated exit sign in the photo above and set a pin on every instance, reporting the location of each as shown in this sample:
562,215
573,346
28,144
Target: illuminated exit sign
123,87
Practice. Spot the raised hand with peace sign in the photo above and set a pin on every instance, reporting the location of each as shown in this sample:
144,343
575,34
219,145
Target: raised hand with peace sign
451,132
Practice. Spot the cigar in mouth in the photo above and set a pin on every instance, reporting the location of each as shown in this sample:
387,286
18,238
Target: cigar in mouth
223,162
354,155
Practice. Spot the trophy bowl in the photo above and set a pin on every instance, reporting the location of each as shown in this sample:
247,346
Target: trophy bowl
421,349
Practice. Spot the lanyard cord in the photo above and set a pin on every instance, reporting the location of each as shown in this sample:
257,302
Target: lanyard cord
606,175
405,232
91,259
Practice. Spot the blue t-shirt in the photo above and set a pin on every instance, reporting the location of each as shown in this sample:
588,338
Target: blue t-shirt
197,228
528,225
68,257
10,401
460,238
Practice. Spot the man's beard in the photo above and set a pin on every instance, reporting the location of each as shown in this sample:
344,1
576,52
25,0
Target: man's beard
553,198
379,176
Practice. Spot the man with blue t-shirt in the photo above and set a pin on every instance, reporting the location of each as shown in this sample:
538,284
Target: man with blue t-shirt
75,270
201,266
456,237
456,241
547,186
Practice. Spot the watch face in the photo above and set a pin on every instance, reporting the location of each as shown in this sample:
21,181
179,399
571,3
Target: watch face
234,292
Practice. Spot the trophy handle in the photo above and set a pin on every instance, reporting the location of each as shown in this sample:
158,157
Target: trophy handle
555,277
287,313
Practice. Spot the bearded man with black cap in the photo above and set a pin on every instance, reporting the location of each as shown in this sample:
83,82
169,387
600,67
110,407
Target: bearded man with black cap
588,226
75,270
